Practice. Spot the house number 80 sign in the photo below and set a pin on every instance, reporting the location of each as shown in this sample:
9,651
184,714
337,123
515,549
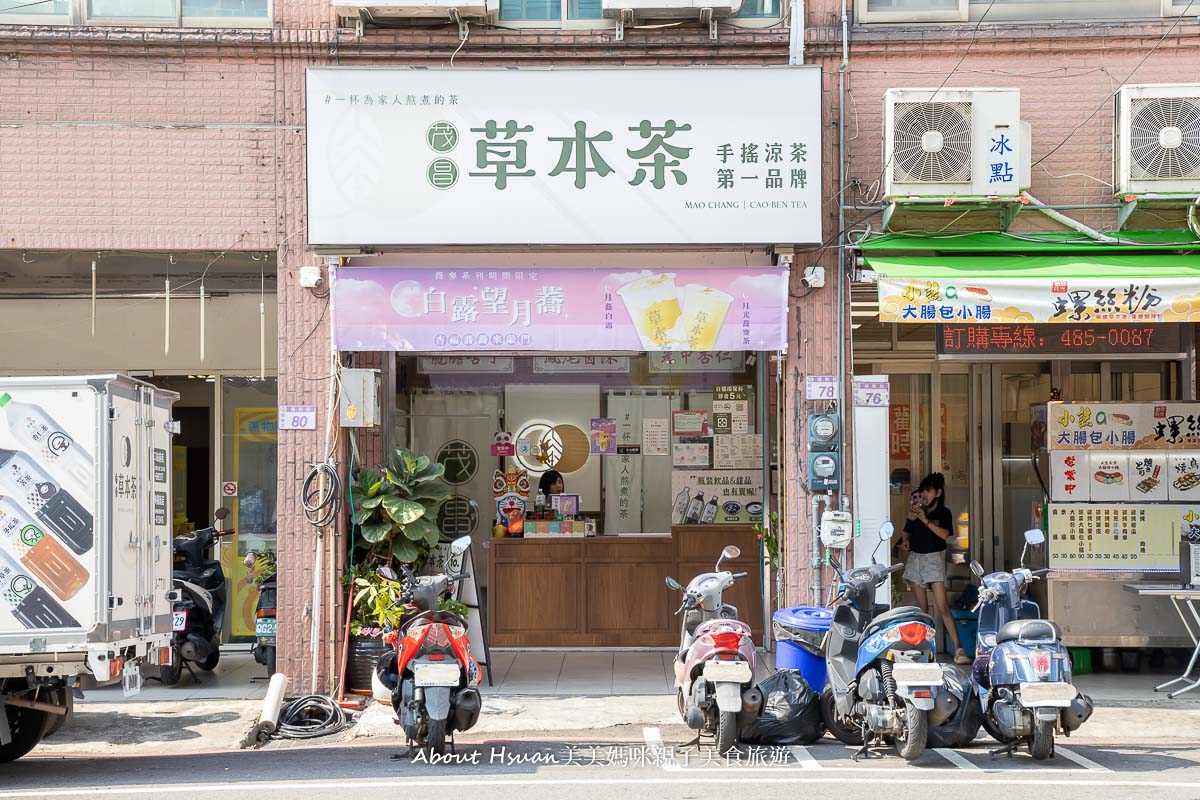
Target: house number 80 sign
297,418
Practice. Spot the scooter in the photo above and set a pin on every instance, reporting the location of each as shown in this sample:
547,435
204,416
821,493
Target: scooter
883,681
432,674
264,618
714,669
199,606
1021,667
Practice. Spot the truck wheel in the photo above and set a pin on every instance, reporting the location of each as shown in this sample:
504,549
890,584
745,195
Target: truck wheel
726,731
841,729
54,722
1041,746
26,726
911,743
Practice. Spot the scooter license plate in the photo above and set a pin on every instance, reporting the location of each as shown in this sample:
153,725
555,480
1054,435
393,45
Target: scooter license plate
265,626
910,674
727,671
1057,695
437,674
179,620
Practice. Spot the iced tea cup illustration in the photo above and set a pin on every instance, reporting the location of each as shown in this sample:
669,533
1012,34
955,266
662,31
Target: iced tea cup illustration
704,310
653,304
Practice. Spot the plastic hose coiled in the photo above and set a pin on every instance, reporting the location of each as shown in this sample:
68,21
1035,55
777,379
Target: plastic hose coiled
310,717
889,682
321,495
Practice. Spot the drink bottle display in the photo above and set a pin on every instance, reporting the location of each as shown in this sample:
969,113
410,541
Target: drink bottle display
21,476
47,439
710,512
42,555
681,506
695,508
32,605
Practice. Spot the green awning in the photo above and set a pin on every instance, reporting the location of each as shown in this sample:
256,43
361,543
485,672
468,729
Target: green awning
1061,267
1130,242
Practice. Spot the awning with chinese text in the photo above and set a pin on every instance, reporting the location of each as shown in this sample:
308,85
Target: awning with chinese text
1044,288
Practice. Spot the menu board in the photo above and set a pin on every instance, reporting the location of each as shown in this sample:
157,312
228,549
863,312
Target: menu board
1121,537
735,451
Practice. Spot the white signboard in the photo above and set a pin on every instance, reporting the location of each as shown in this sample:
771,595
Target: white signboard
872,394
690,455
543,365
432,365
297,418
656,436
689,155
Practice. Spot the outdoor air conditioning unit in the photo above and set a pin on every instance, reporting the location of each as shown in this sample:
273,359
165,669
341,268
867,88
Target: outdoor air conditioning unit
456,10
707,11
954,143
1158,140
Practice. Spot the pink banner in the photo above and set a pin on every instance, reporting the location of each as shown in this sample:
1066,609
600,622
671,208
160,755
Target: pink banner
559,310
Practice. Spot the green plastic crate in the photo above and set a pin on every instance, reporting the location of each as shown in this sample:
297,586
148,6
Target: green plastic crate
1081,660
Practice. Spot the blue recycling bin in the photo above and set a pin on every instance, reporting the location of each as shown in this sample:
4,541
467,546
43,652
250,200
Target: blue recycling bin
799,632
967,624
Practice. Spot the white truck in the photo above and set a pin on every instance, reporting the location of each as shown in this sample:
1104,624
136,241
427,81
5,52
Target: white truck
85,543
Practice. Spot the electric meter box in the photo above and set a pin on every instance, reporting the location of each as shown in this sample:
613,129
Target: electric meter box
824,470
358,406
837,529
824,433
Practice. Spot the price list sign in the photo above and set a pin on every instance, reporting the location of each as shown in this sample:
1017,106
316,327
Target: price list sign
1118,537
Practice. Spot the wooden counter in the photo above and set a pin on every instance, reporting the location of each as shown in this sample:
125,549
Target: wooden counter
609,591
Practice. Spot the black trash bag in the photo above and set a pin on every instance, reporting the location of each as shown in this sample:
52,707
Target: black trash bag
809,640
961,728
790,712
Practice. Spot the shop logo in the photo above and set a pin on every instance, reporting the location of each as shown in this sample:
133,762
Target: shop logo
442,137
442,173
457,516
58,443
460,460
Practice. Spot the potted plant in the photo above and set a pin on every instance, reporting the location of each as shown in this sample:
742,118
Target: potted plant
395,508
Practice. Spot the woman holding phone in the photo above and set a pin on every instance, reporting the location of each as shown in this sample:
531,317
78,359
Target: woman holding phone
926,534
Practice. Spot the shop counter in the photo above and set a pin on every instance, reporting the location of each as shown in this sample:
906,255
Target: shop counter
610,591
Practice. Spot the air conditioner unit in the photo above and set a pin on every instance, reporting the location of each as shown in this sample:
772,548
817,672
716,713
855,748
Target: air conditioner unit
628,10
1158,140
416,9
954,143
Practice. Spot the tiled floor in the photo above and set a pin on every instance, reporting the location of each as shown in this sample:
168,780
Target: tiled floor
588,672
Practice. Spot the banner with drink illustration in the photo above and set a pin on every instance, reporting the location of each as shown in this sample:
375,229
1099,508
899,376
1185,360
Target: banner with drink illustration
716,497
47,479
560,310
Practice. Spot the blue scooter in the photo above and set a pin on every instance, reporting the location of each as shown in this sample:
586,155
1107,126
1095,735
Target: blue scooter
883,681
1021,667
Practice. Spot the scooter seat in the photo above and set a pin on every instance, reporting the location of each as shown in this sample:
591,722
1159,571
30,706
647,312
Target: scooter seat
1029,629
911,613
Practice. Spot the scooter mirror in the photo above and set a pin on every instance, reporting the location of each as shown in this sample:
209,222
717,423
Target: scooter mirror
977,569
673,584
886,531
387,573
250,558
1034,536
461,544
731,552
222,514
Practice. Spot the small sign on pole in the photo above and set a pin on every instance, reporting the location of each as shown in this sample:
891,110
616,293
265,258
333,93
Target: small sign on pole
297,418
820,387
872,394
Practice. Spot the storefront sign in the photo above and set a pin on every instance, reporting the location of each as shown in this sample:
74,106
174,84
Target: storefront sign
872,394
718,497
564,156
1124,426
434,365
716,361
1118,537
549,365
820,387
1078,340
562,310
1031,300
656,437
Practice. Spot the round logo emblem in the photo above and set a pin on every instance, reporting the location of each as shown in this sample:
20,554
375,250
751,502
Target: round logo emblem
442,137
460,460
457,516
442,173
58,443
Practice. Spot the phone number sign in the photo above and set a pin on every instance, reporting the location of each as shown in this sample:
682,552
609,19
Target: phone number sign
297,418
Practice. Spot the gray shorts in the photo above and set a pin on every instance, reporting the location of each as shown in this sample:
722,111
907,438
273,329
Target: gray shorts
926,568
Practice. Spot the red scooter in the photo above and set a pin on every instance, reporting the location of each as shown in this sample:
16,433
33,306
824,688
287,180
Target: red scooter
432,675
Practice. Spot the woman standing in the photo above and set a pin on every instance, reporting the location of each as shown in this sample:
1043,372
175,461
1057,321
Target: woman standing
925,536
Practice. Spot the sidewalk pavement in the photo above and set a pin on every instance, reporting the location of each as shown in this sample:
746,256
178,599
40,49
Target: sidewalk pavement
217,715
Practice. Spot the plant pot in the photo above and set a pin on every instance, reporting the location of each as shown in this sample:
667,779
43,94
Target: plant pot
365,652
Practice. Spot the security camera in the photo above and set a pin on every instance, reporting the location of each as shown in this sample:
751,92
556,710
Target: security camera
813,278
310,278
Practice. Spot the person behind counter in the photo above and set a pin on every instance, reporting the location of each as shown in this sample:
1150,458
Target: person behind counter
551,483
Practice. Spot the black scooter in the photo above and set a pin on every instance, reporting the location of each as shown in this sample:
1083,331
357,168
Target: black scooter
199,607
265,629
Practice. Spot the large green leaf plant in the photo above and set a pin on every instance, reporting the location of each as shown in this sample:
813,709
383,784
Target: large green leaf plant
396,507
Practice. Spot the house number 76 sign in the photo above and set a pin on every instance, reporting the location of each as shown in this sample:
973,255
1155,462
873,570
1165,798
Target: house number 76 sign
872,394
